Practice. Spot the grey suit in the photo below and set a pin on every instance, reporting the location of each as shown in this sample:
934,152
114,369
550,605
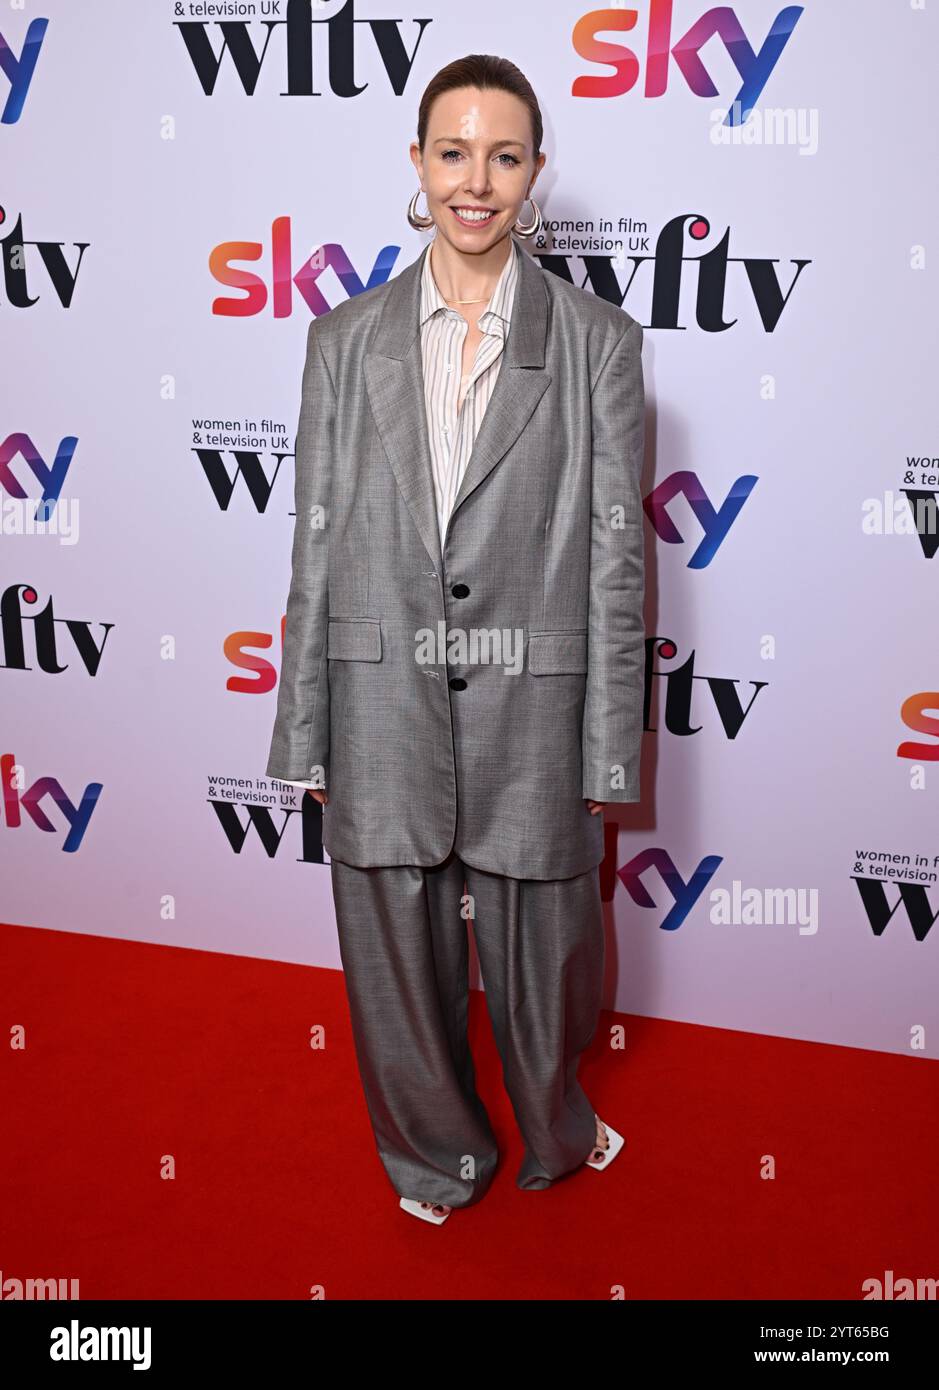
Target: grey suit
464,771
545,542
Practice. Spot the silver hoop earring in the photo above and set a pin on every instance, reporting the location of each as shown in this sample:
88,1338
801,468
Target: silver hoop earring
418,222
534,227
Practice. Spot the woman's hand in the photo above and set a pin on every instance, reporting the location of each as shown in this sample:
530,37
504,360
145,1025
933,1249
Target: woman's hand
321,797
595,807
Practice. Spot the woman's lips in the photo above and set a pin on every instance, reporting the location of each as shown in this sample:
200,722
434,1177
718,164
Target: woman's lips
474,221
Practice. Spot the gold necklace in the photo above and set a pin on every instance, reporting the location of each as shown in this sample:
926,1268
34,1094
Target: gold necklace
458,301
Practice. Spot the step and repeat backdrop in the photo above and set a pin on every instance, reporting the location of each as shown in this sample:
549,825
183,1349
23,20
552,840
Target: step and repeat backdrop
184,185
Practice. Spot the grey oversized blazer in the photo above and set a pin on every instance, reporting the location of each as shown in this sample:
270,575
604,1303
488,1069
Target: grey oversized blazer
545,543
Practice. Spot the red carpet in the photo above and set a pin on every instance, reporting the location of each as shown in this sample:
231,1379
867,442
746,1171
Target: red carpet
138,1052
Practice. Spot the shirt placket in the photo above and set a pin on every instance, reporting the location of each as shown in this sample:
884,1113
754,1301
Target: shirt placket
484,359
453,433
457,432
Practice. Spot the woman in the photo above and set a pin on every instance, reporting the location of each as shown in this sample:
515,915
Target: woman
464,651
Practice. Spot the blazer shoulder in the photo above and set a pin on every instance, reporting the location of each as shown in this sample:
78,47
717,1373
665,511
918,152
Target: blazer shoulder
345,330
349,315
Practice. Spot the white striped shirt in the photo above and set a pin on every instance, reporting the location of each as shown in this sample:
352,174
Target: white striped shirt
443,333
451,433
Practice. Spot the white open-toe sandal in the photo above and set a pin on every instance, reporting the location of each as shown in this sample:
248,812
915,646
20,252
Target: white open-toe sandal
616,1143
424,1210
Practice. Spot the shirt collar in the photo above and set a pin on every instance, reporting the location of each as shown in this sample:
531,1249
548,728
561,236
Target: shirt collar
500,305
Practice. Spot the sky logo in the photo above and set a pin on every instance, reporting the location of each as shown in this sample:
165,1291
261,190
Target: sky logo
284,280
714,522
19,71
683,895
754,66
50,477
19,800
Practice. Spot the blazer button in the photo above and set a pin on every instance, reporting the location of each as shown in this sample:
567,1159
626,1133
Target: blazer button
460,590
457,683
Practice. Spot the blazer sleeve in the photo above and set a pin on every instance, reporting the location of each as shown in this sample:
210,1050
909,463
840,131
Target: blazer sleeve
615,695
300,741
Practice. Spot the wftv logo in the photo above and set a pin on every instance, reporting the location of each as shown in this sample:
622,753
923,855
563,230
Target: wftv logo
716,269
51,253
912,897
46,627
721,22
339,30
225,798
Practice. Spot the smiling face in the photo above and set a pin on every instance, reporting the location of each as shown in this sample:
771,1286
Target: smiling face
478,165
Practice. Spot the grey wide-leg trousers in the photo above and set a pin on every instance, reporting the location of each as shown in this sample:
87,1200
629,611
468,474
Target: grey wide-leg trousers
405,952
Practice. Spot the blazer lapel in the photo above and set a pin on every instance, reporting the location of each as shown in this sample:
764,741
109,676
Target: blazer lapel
395,383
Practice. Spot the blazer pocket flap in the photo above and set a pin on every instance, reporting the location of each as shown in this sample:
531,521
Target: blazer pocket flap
354,639
557,653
